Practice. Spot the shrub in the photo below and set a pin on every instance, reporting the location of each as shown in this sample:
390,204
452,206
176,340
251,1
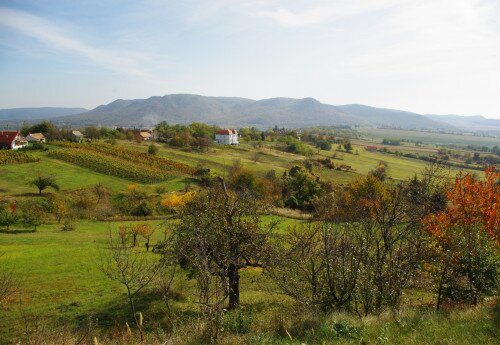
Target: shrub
236,322
67,226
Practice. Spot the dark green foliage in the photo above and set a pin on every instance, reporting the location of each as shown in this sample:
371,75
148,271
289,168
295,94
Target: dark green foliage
394,142
294,145
324,145
8,215
134,202
153,149
44,182
344,329
236,322
300,188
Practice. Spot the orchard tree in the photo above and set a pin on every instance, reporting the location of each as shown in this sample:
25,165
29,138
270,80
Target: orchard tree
44,182
8,215
219,233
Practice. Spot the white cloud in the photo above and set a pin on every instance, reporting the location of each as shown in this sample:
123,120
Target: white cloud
322,12
34,26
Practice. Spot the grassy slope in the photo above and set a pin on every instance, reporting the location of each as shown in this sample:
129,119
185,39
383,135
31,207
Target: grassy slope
218,158
14,179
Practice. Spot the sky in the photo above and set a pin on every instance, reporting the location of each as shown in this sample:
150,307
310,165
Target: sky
425,56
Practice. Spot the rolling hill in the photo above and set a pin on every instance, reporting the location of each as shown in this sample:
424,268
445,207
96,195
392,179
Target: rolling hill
233,111
239,112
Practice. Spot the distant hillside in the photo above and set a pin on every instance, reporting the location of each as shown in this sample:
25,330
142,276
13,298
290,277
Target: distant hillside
20,114
238,112
392,118
233,111
470,122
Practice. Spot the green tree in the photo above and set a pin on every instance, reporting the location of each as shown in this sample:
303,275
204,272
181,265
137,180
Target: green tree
44,182
300,188
219,233
8,216
153,149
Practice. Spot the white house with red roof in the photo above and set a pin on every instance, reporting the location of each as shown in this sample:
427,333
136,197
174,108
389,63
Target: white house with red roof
227,136
12,140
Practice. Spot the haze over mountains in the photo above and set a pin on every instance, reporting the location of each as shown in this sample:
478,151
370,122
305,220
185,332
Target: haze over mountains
19,114
238,112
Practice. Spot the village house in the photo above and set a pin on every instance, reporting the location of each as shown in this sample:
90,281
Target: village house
77,136
12,140
153,134
227,136
36,137
143,135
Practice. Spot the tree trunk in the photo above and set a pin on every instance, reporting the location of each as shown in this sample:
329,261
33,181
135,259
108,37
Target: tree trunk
234,287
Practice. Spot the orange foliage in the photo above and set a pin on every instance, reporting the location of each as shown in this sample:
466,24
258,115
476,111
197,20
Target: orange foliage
143,230
471,201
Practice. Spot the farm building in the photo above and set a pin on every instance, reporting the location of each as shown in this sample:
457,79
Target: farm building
227,136
77,136
36,137
143,135
12,140
371,148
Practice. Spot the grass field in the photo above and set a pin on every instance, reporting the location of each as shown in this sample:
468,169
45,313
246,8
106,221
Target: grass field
219,158
60,283
59,278
429,137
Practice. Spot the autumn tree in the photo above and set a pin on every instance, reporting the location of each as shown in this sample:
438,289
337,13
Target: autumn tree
467,234
377,222
59,207
134,201
33,212
8,215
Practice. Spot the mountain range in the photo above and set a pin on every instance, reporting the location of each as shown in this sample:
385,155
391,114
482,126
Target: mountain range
20,114
239,112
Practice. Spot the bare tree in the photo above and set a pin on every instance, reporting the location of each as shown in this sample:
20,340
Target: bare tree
132,267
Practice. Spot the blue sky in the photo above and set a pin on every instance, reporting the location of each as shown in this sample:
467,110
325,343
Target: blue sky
427,56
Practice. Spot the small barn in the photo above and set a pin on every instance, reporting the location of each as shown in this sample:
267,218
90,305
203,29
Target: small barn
77,136
143,135
36,137
12,140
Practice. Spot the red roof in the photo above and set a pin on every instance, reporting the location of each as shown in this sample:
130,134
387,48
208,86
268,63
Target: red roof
7,137
227,131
